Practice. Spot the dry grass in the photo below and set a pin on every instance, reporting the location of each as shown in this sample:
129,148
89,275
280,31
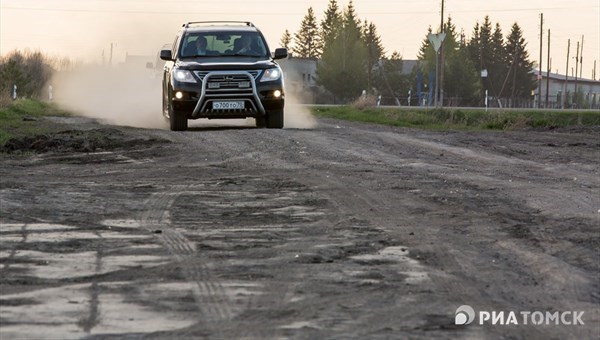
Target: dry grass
365,102
5,101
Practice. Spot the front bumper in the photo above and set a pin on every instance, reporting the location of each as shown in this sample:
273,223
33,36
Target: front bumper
197,98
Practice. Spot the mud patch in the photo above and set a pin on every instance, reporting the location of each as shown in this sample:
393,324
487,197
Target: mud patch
519,231
76,311
92,140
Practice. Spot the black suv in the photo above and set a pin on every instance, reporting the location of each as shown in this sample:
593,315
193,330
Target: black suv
222,70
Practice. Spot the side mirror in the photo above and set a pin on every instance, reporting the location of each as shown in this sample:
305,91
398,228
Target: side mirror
149,65
280,53
166,55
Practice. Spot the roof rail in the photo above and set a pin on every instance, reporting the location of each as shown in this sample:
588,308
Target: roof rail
246,23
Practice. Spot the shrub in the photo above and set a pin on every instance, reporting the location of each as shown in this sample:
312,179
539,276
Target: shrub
365,102
30,71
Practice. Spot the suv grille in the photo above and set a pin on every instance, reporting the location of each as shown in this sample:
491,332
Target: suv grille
229,84
202,74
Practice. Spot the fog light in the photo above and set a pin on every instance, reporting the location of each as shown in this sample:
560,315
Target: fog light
277,94
178,95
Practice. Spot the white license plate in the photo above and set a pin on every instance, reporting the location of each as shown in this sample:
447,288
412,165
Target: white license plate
228,105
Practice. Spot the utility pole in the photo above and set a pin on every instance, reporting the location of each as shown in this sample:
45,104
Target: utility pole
111,53
564,96
548,71
581,60
442,59
576,69
541,56
594,72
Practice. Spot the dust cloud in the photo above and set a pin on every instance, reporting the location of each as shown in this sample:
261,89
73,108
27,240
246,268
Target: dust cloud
113,84
123,95
296,115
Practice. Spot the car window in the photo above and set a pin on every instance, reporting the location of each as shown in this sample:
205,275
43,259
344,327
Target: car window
225,44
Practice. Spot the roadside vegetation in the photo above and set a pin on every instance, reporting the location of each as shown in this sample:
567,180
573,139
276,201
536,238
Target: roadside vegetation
461,119
32,126
24,117
30,72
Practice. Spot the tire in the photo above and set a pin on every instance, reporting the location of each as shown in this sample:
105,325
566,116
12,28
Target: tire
274,119
165,111
261,122
177,120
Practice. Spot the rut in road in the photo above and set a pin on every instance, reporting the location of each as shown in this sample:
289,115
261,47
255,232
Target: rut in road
210,296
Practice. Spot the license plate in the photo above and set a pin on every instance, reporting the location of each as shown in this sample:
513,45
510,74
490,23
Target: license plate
228,105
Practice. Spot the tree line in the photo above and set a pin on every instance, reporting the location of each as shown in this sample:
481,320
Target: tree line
351,58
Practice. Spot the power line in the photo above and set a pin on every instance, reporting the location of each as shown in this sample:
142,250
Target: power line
80,10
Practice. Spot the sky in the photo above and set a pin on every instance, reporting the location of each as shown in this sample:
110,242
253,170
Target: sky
85,29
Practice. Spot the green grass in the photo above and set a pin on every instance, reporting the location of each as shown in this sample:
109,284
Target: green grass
461,119
25,118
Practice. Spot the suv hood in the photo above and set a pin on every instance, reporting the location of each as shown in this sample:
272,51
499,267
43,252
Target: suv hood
225,63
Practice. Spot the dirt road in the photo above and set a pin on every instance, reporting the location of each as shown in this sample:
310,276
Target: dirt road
342,231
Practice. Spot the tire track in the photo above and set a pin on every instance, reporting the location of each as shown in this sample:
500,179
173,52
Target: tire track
211,298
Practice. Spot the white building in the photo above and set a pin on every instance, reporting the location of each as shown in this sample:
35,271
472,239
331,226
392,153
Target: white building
558,85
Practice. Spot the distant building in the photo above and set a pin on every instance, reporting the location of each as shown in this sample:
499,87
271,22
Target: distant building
588,90
137,61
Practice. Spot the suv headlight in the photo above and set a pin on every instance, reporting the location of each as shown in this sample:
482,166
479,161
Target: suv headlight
184,76
271,74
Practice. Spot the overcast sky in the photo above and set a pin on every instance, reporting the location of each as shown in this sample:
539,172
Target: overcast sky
83,29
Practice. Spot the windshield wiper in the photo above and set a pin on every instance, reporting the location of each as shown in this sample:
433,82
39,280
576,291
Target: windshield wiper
197,56
246,55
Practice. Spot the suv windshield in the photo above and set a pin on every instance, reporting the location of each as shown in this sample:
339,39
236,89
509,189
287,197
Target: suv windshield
247,44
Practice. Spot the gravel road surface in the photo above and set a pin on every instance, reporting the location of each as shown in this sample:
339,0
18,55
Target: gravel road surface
345,230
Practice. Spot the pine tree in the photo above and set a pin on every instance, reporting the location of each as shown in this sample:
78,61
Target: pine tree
426,53
461,81
307,40
497,67
485,43
351,21
451,40
389,79
520,83
286,39
375,49
343,69
474,46
460,77
480,50
331,24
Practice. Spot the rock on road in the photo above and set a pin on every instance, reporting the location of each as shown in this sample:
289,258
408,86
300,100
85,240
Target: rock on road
345,230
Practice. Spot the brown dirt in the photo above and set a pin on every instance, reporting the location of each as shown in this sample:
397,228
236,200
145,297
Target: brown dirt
346,230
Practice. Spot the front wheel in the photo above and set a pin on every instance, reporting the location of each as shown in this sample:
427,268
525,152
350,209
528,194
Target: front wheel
177,120
274,119
261,121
